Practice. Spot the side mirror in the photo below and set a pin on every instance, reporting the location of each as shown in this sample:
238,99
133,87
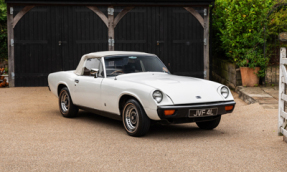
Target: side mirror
94,72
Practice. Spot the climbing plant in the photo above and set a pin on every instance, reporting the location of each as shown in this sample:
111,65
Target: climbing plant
277,22
238,27
3,31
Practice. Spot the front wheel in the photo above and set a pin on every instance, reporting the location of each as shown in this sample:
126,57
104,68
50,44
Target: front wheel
209,125
134,118
67,108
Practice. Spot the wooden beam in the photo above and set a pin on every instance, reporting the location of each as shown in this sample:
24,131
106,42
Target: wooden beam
110,21
10,31
21,14
111,28
206,44
121,15
195,14
100,14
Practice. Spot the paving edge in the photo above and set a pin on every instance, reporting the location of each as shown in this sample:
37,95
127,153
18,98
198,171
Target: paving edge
246,98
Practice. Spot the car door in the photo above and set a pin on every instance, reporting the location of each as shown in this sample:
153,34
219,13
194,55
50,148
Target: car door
87,88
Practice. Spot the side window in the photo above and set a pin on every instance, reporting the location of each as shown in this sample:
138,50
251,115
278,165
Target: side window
94,63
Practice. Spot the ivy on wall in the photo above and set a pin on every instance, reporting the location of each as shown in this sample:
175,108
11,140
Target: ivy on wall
277,23
3,31
239,31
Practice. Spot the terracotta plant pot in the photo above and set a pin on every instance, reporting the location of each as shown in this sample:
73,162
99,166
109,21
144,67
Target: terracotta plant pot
249,77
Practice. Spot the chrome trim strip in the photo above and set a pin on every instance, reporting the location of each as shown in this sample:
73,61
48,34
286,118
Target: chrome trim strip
197,105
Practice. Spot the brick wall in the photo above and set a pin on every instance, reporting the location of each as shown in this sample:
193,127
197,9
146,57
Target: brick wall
272,75
226,73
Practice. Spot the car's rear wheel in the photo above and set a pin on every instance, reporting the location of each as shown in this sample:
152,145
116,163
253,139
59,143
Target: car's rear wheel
209,125
134,118
67,108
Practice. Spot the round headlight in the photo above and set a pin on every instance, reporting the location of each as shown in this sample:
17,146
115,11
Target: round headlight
157,95
224,92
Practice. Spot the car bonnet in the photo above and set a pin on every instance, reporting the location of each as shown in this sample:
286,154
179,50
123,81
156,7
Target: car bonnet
182,90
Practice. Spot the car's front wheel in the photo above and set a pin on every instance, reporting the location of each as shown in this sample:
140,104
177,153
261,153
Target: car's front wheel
134,118
209,125
67,108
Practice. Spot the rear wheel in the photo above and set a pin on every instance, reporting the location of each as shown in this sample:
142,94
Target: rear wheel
134,118
209,125
67,108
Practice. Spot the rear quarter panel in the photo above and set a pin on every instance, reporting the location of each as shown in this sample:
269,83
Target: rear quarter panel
66,78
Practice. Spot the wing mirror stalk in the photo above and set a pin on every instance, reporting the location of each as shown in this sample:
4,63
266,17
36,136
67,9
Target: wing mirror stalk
94,72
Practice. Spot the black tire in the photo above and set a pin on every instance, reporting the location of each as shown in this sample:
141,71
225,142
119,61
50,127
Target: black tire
209,125
135,120
67,108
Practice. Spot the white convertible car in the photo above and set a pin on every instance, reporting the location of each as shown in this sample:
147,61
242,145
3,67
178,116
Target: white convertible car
138,89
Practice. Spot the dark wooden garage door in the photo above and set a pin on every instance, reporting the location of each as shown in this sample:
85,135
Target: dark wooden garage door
170,32
53,38
50,39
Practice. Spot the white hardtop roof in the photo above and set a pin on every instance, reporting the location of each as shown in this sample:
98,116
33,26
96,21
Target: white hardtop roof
111,53
80,67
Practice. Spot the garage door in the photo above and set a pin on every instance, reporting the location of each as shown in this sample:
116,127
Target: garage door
53,38
170,32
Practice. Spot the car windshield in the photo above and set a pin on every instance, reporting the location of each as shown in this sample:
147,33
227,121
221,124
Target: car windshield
117,65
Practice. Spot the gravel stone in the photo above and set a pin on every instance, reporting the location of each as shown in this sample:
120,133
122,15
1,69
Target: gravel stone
35,137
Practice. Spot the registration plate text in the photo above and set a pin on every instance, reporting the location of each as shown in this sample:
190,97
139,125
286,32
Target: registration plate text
202,112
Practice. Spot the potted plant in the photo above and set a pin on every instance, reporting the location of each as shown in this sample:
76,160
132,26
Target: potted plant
251,68
3,79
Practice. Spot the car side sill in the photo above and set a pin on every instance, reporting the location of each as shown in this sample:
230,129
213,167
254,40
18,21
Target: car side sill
102,113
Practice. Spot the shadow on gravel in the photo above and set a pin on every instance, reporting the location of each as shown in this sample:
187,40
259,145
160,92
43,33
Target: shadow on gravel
91,117
157,131
175,131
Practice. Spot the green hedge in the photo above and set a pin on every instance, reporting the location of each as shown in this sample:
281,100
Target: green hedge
277,23
238,27
3,31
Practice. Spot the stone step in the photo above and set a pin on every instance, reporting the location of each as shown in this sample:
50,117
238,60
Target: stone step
267,97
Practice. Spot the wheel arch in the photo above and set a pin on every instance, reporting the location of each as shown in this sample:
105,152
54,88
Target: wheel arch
60,87
124,98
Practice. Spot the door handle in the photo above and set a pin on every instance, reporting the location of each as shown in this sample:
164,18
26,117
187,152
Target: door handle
62,42
159,42
77,81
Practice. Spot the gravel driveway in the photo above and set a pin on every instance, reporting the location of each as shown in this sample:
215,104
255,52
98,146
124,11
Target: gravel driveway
35,137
